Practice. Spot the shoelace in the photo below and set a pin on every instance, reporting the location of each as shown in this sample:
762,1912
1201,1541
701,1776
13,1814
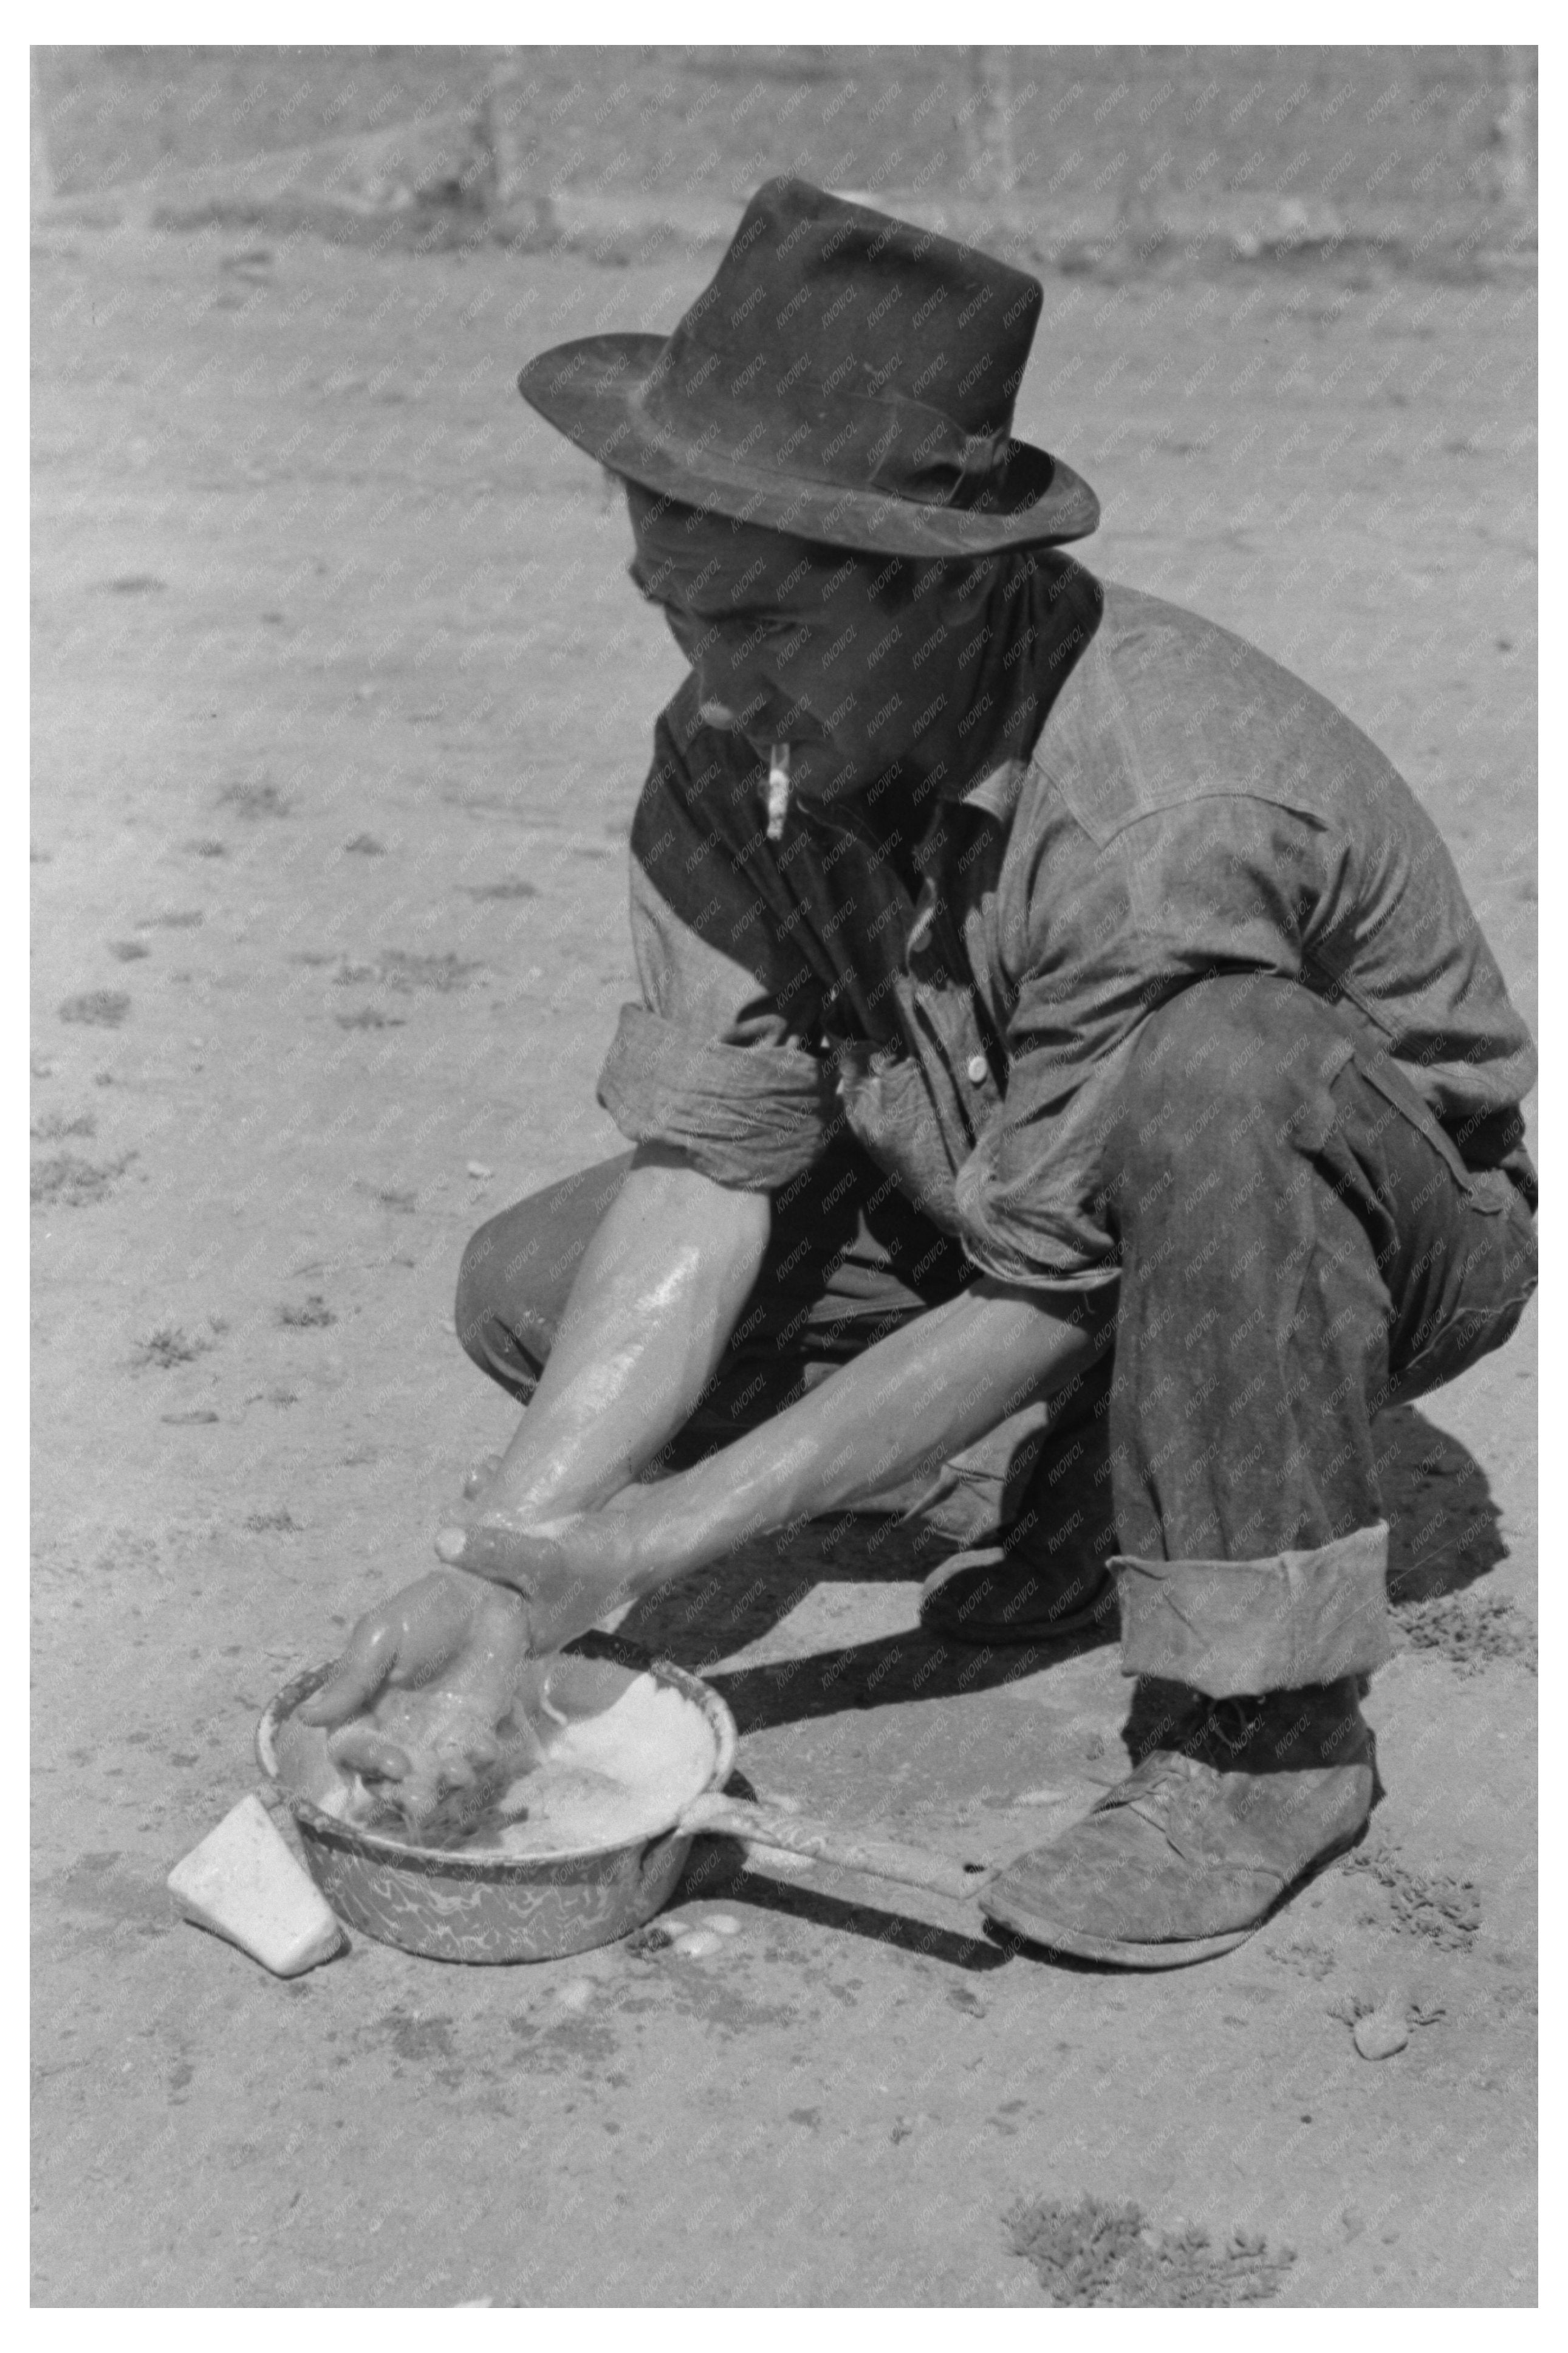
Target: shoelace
1233,1722
1228,1725
1152,1784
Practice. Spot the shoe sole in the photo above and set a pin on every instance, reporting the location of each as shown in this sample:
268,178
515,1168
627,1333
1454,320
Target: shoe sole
1174,1953
1074,1941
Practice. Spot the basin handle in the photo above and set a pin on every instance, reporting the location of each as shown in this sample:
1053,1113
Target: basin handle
867,1851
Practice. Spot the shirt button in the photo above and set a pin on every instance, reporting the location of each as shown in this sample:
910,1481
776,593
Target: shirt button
979,1070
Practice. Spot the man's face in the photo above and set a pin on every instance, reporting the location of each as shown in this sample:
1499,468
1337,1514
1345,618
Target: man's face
797,644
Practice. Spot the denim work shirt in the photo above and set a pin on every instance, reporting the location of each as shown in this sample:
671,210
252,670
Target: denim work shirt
1189,808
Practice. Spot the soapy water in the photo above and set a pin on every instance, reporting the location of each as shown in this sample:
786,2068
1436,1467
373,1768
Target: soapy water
435,1758
558,1785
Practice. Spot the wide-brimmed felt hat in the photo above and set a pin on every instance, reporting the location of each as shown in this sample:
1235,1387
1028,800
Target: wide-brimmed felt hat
845,378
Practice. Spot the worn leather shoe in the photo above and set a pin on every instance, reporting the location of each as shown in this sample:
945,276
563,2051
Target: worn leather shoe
999,1595
1234,1804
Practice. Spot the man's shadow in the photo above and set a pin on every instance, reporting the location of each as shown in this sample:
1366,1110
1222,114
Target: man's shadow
1445,1528
738,1602
1444,1535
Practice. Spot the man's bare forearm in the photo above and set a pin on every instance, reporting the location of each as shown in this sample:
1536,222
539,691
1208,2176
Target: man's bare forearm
914,1399
659,1290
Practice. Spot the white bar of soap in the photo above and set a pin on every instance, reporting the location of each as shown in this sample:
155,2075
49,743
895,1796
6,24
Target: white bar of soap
244,1883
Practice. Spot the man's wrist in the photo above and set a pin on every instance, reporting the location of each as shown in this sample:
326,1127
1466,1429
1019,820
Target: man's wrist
652,1541
687,1523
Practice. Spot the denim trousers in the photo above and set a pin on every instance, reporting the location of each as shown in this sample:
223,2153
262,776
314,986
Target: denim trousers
1300,1242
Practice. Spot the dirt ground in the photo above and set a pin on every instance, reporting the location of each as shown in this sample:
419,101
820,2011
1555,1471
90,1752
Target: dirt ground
341,704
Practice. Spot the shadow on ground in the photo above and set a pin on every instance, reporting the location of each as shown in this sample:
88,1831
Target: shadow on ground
1445,1532
1445,1528
718,1869
702,1625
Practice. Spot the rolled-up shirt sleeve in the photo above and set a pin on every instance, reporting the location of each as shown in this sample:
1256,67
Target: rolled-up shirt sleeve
720,1059
1216,885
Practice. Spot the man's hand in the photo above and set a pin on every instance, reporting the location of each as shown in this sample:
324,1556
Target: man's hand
568,1573
433,1672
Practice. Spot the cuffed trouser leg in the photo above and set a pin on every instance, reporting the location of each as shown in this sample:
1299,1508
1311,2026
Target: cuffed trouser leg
1228,1627
1300,1242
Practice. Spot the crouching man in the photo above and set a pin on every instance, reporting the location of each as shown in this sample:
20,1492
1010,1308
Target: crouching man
1070,1092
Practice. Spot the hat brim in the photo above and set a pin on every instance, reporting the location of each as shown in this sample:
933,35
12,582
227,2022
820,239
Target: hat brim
589,391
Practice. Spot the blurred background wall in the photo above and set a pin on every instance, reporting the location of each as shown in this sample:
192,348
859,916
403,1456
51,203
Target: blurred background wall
1430,149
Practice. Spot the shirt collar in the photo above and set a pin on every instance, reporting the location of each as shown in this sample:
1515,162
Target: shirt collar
1064,612
995,794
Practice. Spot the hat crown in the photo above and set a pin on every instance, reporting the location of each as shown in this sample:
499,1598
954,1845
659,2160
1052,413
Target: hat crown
818,296
845,377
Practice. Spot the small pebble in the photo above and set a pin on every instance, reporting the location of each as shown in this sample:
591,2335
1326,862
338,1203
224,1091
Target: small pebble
673,1928
699,1944
575,1994
477,1169
1382,2032
723,1923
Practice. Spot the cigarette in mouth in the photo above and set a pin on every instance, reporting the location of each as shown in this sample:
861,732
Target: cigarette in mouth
778,790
